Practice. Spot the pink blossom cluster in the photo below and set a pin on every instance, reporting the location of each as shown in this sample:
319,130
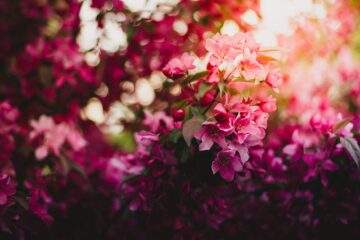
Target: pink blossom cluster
54,137
232,123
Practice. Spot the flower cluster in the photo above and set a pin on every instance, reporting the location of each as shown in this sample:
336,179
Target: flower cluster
231,123
54,136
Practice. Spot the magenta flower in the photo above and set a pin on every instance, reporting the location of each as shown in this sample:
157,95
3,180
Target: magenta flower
225,120
158,122
179,66
209,134
227,163
39,204
145,138
318,166
7,190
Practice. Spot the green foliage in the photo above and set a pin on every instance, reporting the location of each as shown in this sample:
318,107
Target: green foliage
124,141
203,88
194,77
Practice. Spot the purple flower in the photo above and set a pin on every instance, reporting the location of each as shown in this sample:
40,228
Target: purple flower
226,163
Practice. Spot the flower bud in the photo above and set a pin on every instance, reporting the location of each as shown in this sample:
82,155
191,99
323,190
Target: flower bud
178,114
208,98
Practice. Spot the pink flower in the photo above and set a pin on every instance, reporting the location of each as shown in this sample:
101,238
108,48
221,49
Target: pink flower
145,138
224,48
226,163
158,122
44,124
225,120
318,166
251,68
236,56
178,67
39,204
119,166
274,79
268,104
247,131
209,134
54,136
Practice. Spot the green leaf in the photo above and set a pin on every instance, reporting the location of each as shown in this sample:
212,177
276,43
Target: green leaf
222,88
196,112
203,88
190,127
46,171
174,136
124,141
194,77
352,147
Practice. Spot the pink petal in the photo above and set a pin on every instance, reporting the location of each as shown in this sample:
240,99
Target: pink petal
3,198
329,165
206,144
290,149
41,152
215,166
227,173
236,164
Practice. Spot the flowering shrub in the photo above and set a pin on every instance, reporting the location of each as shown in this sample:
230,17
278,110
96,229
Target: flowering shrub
179,119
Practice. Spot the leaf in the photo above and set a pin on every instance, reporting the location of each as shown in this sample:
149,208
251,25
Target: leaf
203,88
222,88
196,112
190,127
351,145
194,77
174,136
46,171
124,141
